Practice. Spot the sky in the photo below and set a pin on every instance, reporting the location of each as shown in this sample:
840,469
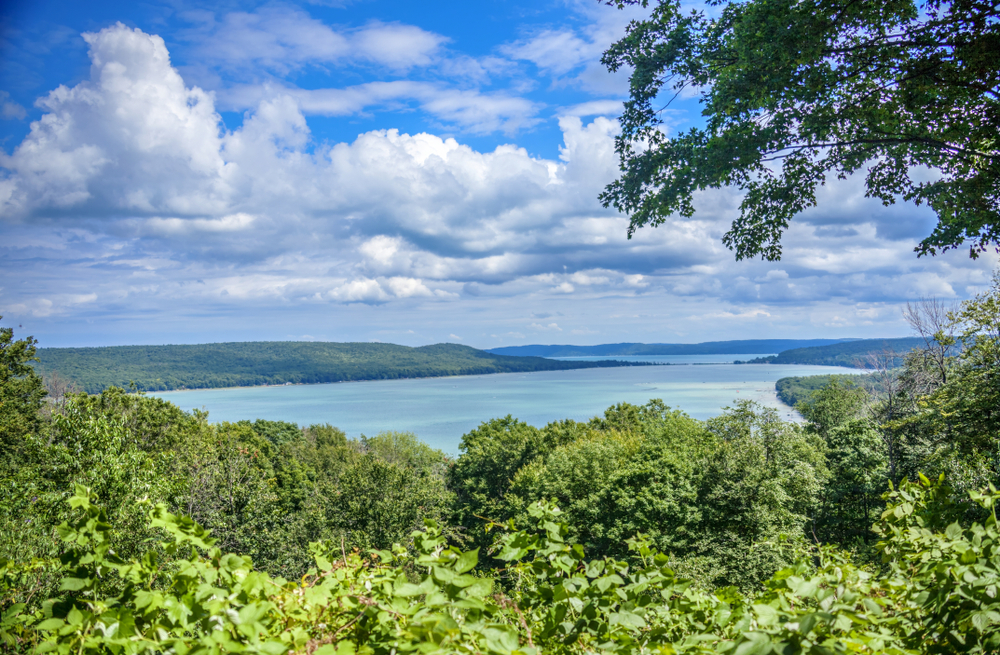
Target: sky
370,170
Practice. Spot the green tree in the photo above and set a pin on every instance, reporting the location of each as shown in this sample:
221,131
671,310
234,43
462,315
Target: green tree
491,455
381,502
22,393
833,405
851,499
763,481
636,470
793,92
959,421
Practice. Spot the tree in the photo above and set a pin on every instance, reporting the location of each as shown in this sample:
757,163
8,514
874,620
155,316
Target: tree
21,394
794,91
764,480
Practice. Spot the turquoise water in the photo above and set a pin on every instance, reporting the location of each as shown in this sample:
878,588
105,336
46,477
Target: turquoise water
440,410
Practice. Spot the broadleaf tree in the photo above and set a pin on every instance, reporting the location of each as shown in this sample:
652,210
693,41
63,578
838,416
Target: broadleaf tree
796,91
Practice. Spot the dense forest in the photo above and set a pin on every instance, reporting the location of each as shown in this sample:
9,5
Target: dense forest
796,390
213,365
130,526
741,347
861,353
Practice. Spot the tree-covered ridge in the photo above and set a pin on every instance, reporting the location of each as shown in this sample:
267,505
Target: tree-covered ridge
739,347
852,354
213,365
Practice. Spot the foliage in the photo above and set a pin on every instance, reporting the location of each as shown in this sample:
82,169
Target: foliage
835,403
764,480
492,454
937,594
21,395
859,472
672,535
159,368
954,427
793,92
634,470
387,492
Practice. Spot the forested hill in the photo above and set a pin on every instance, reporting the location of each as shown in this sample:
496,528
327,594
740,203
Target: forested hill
161,368
743,347
853,354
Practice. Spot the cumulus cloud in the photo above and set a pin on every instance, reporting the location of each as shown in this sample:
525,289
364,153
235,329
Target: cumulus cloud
132,187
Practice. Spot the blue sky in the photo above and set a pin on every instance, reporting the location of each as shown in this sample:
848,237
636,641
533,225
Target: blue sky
176,172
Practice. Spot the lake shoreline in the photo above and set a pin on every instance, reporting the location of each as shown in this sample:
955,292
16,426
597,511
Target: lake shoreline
422,377
460,375
439,410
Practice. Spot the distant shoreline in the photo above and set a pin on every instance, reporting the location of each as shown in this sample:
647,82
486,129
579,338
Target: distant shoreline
314,384
463,375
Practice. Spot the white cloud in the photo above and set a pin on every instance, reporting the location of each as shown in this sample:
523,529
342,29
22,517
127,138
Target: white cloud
176,226
467,109
9,109
554,51
133,138
133,189
281,38
594,108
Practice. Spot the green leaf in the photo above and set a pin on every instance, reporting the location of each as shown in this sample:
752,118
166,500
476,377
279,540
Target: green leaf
627,619
766,615
51,624
467,561
73,584
757,643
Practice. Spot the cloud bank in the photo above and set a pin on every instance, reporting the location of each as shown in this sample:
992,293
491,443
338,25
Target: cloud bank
131,186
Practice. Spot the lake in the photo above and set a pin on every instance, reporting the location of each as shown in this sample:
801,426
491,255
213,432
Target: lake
440,410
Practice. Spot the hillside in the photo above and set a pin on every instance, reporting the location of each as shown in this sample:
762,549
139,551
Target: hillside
162,368
742,347
853,354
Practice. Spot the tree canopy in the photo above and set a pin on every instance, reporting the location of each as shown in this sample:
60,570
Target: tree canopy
794,91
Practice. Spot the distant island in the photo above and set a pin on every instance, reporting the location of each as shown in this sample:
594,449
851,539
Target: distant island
741,347
215,365
852,354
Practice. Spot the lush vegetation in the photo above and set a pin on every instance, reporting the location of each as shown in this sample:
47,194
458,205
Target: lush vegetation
794,93
742,347
795,390
160,368
863,353
130,526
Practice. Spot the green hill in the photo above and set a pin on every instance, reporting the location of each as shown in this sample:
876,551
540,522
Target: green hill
853,354
212,365
742,347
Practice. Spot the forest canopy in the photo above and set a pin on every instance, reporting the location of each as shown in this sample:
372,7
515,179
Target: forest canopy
794,93
130,526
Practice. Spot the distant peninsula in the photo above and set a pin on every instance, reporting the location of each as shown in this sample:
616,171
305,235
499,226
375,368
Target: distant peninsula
852,354
215,365
741,347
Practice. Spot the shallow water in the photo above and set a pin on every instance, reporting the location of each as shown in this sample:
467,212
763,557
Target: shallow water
440,410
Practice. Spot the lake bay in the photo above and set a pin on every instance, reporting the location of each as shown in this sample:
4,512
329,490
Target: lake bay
440,410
